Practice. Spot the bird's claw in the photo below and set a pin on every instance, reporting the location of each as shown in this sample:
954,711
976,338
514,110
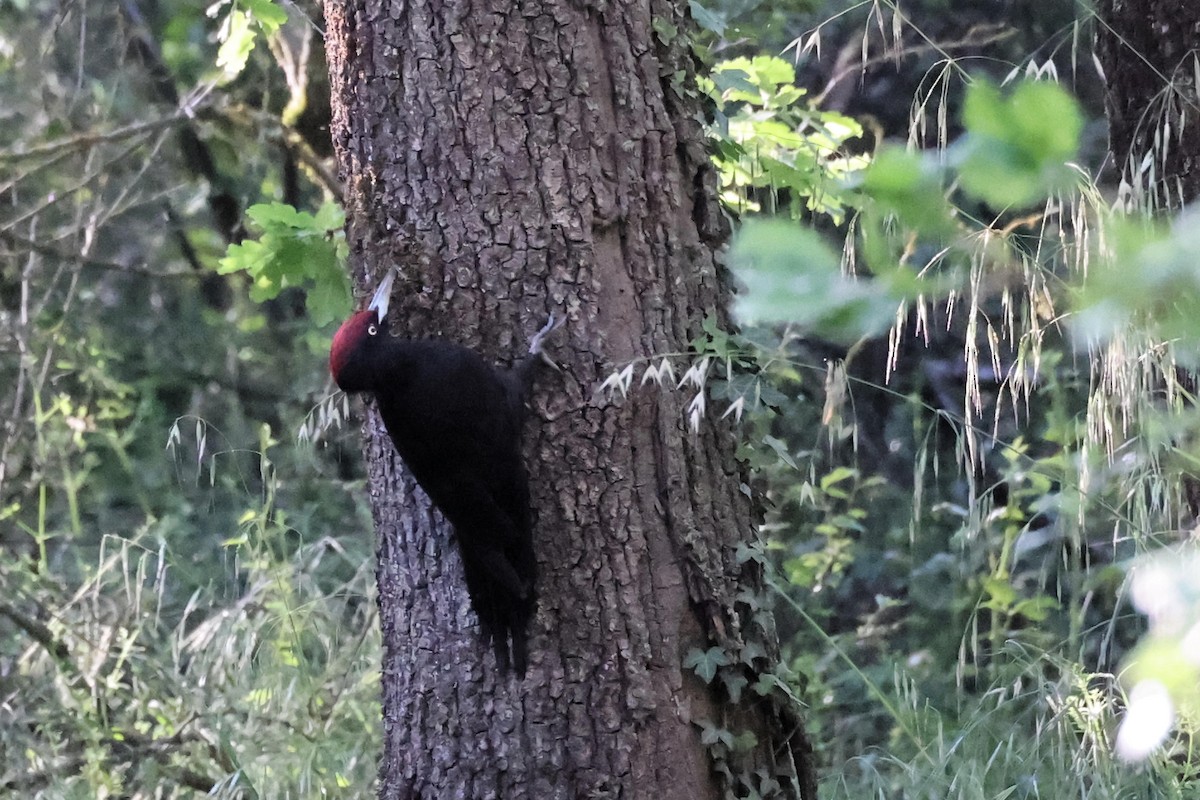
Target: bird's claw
535,345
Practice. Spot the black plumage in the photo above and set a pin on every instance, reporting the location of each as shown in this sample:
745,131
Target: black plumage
456,421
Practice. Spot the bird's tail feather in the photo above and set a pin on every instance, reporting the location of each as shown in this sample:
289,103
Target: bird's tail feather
504,611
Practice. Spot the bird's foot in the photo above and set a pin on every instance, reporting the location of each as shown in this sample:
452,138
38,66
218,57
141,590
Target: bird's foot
535,345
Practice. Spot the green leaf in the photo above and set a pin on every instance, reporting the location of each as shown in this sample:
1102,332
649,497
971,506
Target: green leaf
236,44
330,217
710,735
765,72
1039,118
781,449
1036,609
734,684
757,80
709,20
264,289
268,215
752,650
1016,149
296,249
330,297
706,662
247,256
1000,594
791,275
266,13
734,83
837,476
747,551
1146,276
665,30
744,742
909,186
766,684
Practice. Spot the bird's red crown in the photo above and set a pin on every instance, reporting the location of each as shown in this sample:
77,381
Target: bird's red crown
356,329
348,337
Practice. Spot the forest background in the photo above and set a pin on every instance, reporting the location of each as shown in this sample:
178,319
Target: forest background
962,381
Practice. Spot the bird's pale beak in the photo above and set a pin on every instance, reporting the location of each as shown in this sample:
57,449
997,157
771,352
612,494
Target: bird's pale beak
383,295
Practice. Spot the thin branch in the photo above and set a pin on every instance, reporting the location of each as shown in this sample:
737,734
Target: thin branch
89,139
28,245
975,37
309,158
259,122
37,631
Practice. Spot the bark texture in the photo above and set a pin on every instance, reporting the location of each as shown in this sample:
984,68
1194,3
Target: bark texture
1148,49
516,159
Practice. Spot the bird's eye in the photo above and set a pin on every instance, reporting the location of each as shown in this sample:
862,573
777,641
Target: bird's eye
372,330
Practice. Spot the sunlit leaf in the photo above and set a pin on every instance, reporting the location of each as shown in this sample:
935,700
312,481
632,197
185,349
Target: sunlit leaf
236,45
266,13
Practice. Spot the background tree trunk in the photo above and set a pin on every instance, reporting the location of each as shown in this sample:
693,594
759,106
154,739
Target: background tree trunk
516,159
1148,49
1150,53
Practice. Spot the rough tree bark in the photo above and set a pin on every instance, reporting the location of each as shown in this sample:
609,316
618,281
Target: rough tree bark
1149,52
518,158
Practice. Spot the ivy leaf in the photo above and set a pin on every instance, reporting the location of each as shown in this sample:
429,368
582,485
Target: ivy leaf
766,684
744,742
734,684
752,650
665,30
710,735
750,552
706,662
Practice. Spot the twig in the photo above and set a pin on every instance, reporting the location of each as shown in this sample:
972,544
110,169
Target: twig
976,37
89,139
37,631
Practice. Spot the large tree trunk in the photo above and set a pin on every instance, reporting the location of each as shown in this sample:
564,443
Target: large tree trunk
517,159
1148,49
